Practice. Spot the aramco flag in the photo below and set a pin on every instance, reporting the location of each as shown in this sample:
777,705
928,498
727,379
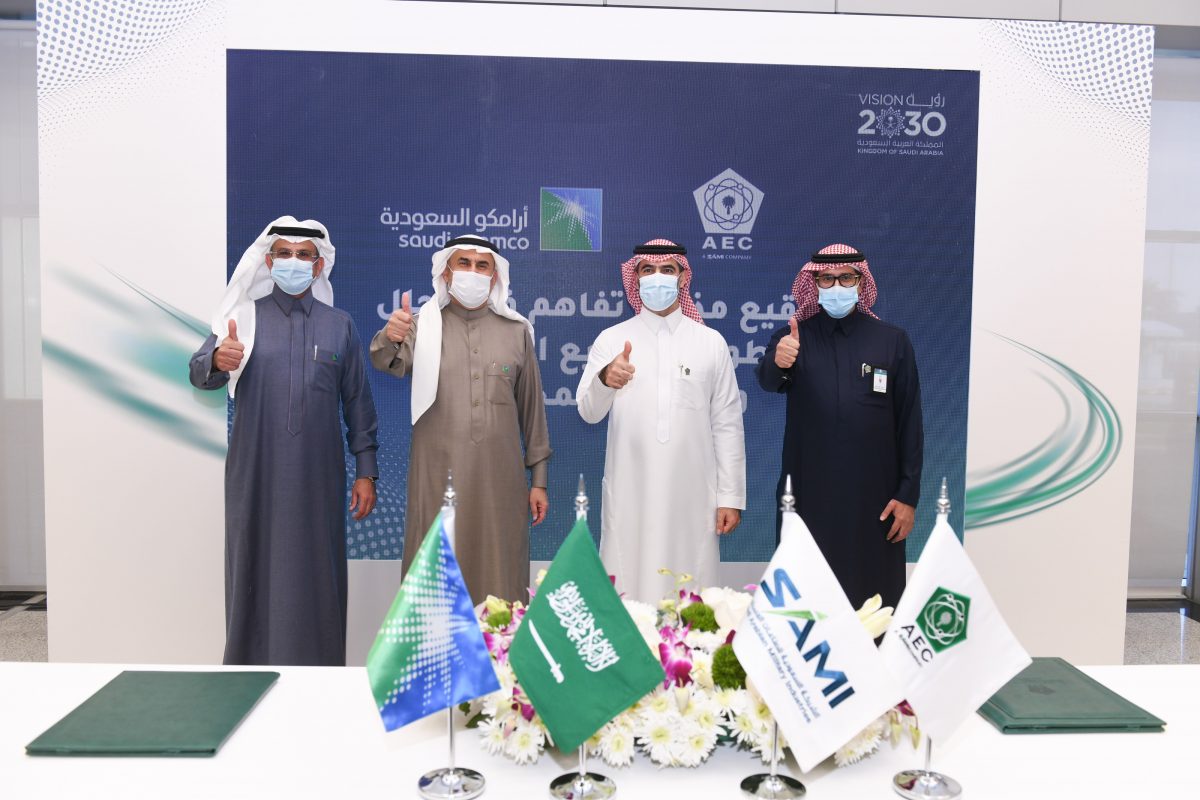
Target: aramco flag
429,653
806,652
948,646
578,654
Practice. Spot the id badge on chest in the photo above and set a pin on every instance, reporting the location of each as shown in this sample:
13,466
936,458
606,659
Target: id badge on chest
879,377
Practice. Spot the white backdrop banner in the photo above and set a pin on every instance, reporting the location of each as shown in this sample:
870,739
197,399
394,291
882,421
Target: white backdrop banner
133,148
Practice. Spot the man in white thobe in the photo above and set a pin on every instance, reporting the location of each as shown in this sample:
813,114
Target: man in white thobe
675,467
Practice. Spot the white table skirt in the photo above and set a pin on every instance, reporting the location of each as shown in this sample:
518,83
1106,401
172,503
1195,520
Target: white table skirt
316,734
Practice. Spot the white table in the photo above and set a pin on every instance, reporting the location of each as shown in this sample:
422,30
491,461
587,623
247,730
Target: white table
316,734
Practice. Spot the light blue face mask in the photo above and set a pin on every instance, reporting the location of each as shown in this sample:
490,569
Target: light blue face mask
292,275
658,291
838,301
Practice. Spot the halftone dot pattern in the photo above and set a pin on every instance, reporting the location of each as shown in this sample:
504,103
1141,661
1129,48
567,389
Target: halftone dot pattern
84,39
1109,69
1110,64
380,535
427,628
170,51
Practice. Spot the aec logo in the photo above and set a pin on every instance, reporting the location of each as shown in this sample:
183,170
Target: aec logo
942,620
728,205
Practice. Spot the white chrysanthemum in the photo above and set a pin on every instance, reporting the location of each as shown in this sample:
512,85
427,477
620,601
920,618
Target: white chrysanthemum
491,736
761,713
661,702
657,738
705,640
861,745
746,729
762,743
694,746
524,744
704,712
731,701
616,745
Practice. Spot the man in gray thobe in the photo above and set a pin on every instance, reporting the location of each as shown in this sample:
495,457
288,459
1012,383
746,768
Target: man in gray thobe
292,360
476,393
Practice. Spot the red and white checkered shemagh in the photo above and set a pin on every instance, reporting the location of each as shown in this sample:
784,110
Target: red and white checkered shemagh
804,288
629,278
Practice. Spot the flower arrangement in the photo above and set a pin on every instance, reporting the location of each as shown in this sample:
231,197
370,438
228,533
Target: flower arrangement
704,701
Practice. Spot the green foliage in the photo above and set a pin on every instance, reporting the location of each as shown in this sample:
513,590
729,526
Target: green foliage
498,619
700,617
727,672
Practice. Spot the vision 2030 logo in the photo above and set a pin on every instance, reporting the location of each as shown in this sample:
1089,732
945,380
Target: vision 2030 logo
728,205
778,596
572,219
942,622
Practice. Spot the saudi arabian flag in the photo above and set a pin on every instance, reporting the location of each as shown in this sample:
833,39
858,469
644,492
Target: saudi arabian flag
429,653
948,646
578,654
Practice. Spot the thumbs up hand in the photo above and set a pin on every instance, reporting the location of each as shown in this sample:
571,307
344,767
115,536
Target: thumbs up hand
400,322
228,355
788,347
619,371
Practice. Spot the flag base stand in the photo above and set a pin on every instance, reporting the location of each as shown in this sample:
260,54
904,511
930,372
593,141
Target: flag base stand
771,785
451,782
775,787
582,785
925,784
455,782
920,784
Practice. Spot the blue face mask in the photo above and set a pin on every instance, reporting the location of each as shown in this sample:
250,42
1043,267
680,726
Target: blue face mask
838,301
292,275
658,291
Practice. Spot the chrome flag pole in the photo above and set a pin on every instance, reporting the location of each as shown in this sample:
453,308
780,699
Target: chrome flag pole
450,781
925,784
582,785
772,784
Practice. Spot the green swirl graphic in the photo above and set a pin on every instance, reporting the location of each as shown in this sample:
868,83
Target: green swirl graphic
1080,450
147,339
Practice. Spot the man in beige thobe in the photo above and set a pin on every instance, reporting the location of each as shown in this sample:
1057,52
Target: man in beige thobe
476,394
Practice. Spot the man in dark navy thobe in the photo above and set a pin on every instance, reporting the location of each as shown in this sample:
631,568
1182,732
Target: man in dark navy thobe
853,436
296,365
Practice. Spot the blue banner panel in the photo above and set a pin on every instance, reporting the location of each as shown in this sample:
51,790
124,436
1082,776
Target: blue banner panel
569,163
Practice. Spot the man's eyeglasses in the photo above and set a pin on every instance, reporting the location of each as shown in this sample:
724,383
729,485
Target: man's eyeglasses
847,280
303,255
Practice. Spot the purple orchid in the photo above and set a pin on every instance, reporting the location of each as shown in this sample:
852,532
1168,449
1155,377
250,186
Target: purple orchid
676,656
519,705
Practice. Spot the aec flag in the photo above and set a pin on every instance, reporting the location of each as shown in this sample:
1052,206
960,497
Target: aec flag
948,646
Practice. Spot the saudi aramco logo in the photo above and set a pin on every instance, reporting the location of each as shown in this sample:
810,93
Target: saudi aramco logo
728,205
572,219
944,619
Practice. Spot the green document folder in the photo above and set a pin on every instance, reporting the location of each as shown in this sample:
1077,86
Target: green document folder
156,714
1051,696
